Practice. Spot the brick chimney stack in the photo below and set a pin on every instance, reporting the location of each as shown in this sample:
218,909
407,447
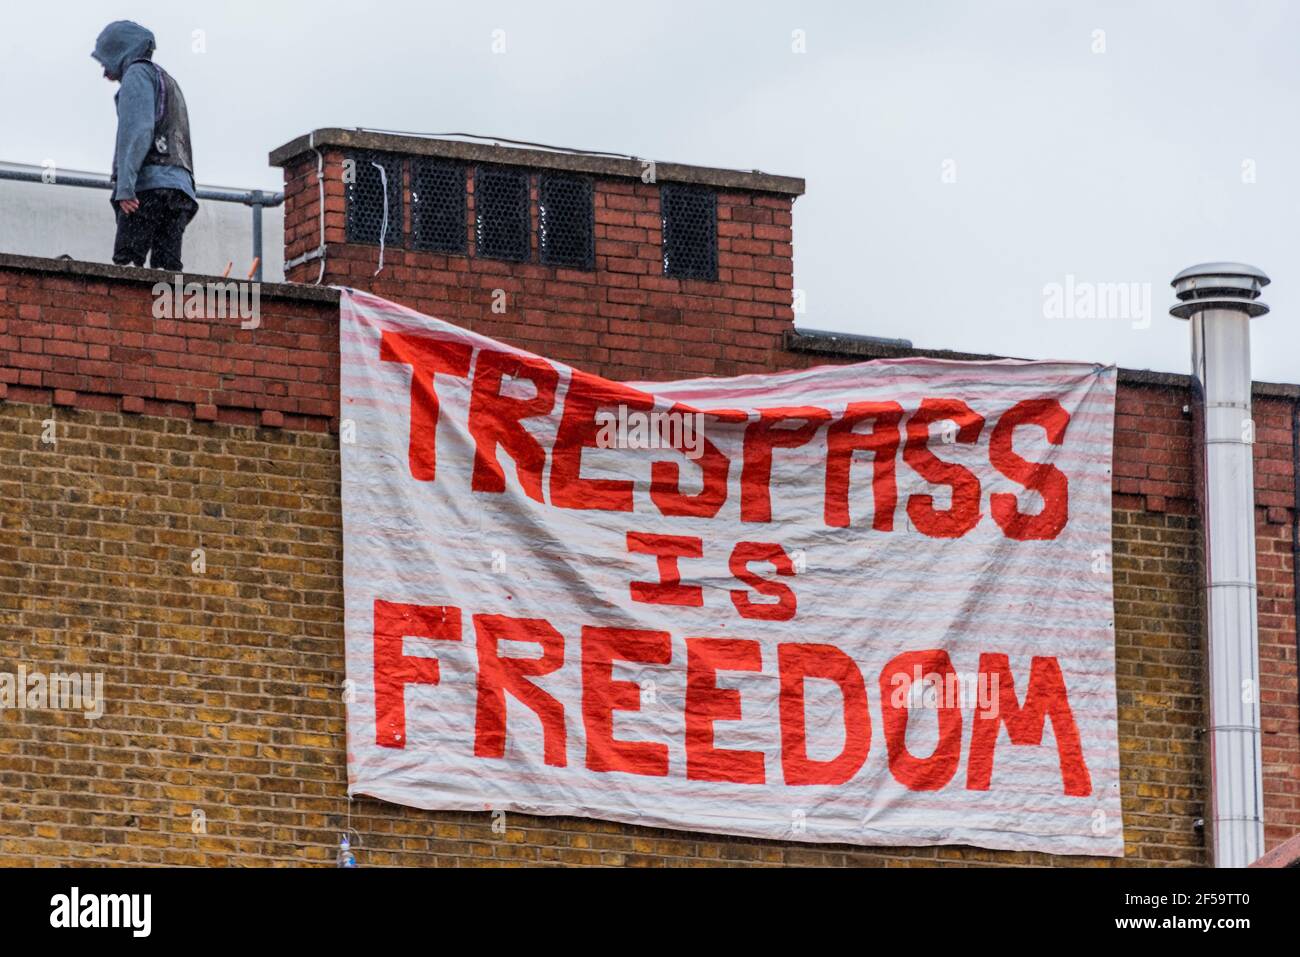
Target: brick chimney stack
623,267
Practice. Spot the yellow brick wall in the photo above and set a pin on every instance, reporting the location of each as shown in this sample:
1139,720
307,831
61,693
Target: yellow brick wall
224,690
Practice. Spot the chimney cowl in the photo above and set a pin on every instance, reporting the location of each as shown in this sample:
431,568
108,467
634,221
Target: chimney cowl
1220,285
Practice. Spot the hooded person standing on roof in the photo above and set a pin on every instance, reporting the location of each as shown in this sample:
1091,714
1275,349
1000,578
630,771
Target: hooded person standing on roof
153,171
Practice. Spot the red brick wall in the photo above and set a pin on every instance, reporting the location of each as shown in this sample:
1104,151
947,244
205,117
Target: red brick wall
84,339
1275,573
176,432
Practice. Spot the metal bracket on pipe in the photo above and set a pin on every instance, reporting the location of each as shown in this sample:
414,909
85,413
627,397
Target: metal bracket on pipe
1232,727
305,258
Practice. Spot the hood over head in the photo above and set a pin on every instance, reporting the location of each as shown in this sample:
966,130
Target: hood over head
119,44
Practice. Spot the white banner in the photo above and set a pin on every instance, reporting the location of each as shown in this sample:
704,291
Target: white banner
865,603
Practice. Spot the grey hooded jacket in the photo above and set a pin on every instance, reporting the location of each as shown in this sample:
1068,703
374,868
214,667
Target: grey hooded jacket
153,145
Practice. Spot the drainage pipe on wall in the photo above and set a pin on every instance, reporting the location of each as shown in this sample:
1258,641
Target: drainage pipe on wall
1220,299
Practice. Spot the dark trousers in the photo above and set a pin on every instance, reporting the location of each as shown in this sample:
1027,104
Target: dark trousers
154,230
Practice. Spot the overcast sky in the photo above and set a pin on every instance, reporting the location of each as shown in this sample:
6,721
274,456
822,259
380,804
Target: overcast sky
960,157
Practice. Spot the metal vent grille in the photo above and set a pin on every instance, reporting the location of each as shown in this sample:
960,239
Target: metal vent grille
566,222
501,227
438,206
690,221
365,194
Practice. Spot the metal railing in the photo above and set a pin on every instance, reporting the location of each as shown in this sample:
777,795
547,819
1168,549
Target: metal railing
256,198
